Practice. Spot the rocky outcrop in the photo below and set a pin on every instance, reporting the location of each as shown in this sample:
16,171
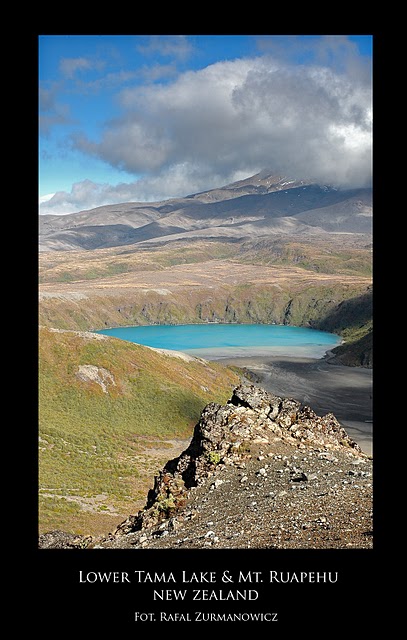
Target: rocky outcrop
251,416
261,471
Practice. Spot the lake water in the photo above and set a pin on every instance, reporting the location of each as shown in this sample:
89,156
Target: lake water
213,341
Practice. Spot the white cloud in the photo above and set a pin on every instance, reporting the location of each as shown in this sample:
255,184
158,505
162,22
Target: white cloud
233,118
45,198
69,67
51,111
244,113
178,180
158,72
109,80
178,47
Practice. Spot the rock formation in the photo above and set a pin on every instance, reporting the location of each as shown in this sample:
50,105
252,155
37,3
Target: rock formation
251,416
303,472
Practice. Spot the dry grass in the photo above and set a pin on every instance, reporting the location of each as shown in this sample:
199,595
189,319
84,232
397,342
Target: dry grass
222,289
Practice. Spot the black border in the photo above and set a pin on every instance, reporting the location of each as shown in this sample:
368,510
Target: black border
50,578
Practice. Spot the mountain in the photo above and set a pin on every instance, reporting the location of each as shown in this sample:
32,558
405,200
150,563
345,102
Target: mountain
265,249
260,471
110,414
260,206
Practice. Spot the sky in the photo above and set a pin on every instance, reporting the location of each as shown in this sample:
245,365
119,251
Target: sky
137,118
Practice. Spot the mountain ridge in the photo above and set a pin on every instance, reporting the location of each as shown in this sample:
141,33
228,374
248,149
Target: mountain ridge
262,204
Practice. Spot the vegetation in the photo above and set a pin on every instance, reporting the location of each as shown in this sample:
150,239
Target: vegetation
102,439
273,281
99,448
302,303
357,352
74,266
214,457
352,319
320,258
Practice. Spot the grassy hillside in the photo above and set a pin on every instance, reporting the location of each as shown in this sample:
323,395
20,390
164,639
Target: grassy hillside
111,413
357,352
306,302
352,319
255,281
320,257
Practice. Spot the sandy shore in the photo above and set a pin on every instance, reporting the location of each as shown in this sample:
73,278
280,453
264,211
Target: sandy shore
344,391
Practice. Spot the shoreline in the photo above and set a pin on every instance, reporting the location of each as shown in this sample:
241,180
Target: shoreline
216,323
298,352
309,377
220,352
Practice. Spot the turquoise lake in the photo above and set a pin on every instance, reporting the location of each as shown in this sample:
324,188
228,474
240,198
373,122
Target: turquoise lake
215,341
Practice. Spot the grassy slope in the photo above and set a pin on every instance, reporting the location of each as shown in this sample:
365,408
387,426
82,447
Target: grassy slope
305,303
94,446
96,449
352,319
92,265
320,258
71,266
357,353
91,297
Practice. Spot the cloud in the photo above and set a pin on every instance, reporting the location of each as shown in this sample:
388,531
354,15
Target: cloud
88,194
83,195
177,47
202,129
70,66
243,115
52,112
47,99
108,81
45,198
339,53
158,72
116,79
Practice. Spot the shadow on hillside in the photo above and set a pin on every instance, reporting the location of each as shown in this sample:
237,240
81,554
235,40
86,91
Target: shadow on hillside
355,312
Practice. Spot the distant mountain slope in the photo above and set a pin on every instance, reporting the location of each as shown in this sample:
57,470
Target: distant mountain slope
110,413
263,204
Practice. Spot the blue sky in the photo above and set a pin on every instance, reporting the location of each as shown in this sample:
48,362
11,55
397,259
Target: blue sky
127,118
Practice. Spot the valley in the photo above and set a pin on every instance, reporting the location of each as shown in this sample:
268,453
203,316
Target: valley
263,250
267,249
208,289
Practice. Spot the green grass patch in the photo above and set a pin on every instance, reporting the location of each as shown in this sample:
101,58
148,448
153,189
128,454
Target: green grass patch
92,441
